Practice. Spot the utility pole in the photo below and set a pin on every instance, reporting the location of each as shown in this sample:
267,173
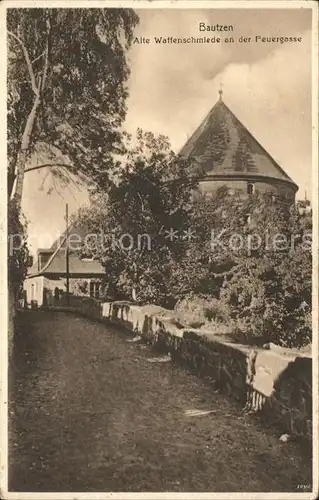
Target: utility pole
67,263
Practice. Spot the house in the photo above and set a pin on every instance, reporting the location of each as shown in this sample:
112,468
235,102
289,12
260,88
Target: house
226,153
46,280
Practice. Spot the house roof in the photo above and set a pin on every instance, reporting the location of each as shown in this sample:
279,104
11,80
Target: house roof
223,146
56,264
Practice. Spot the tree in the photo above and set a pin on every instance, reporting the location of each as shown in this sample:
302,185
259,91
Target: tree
66,81
67,76
143,221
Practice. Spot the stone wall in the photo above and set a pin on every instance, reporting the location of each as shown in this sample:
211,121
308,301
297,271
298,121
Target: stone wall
274,383
83,306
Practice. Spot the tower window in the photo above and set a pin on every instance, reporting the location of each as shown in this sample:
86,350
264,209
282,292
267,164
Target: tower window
250,188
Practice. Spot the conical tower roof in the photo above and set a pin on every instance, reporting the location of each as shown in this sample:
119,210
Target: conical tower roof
223,147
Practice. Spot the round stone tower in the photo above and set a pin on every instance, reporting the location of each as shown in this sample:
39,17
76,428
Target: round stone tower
227,154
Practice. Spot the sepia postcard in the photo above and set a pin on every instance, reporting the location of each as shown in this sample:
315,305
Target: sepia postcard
159,249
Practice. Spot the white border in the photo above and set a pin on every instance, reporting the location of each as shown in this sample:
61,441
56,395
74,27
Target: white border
158,4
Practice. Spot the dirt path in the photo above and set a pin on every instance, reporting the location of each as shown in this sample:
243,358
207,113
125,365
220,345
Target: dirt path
90,411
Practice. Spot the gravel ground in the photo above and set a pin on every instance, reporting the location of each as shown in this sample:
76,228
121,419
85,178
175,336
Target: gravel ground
91,411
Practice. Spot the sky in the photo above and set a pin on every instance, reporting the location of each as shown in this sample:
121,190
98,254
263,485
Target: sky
172,88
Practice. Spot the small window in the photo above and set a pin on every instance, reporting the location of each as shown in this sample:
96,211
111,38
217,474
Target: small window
250,188
95,289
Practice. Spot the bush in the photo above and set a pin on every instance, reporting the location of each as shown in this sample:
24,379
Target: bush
288,328
266,323
216,310
197,311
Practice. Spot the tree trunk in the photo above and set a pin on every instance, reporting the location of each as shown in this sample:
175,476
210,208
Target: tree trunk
134,288
20,168
134,294
24,151
11,179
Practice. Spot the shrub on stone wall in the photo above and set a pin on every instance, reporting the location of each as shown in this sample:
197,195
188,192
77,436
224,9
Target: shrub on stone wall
199,310
269,322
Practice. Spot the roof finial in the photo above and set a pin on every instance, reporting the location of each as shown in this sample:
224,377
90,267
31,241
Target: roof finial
220,92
